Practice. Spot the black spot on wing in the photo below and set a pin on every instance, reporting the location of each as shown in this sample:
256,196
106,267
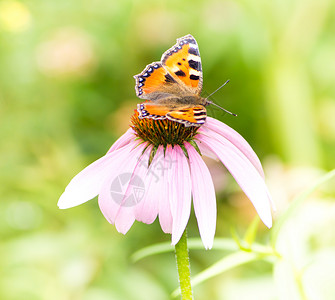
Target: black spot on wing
193,51
194,77
201,120
169,79
180,73
196,65
200,113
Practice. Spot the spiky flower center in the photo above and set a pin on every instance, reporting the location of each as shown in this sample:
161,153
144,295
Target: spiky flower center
162,132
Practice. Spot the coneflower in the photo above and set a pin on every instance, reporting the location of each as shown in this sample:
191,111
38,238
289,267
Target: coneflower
158,167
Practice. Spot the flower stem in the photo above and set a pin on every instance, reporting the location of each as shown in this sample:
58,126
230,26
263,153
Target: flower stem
183,266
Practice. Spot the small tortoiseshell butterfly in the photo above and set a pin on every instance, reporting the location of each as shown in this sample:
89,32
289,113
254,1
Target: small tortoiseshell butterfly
173,86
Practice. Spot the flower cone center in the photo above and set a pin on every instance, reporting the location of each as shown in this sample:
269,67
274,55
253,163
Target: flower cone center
162,132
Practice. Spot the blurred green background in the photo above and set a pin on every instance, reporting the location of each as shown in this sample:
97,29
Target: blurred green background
66,94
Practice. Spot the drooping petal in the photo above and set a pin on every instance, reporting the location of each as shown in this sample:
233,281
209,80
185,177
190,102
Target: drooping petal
123,140
214,126
118,195
244,172
203,196
125,220
135,191
165,216
147,210
86,185
180,188
205,151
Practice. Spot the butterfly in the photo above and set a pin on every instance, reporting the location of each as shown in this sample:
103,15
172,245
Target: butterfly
173,86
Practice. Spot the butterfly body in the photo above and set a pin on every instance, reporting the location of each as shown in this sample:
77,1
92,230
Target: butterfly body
182,100
173,86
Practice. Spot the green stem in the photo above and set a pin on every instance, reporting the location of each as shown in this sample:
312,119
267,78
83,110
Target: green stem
183,266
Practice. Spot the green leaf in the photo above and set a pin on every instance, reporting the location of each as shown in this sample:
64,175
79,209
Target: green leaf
152,250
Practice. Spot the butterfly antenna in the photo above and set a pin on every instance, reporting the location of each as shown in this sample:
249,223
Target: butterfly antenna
218,89
227,111
211,102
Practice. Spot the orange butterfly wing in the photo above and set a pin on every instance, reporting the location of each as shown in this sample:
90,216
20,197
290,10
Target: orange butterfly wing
154,82
187,115
183,62
152,111
179,72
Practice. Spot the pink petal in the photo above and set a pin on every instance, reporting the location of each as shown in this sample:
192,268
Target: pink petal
215,126
124,220
203,196
180,197
115,206
123,140
244,172
147,210
135,190
165,216
86,185
205,151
